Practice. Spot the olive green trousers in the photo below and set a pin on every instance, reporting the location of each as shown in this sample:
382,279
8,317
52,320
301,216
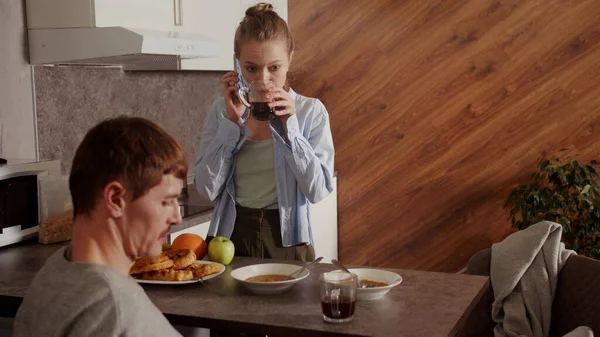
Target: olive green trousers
257,233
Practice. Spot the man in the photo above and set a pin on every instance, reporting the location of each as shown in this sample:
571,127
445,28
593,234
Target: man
125,180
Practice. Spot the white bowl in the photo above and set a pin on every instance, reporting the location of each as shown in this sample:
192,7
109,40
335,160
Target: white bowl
379,275
268,288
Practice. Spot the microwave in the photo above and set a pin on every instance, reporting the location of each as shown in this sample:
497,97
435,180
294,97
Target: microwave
19,197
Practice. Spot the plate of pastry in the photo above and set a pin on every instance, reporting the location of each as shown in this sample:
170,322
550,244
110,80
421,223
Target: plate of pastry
174,267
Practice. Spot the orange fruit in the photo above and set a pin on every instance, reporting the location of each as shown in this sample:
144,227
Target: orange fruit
192,242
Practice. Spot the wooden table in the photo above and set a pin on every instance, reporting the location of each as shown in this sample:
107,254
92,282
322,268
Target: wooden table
424,304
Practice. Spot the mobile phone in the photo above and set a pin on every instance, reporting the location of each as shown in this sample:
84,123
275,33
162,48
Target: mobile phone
238,69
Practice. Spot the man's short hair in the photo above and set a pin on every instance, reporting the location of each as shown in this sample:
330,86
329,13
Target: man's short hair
131,150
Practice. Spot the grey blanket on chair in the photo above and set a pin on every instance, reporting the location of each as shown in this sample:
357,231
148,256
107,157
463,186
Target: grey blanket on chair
524,271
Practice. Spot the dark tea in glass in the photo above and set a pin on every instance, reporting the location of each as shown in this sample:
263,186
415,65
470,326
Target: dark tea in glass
261,111
344,308
256,97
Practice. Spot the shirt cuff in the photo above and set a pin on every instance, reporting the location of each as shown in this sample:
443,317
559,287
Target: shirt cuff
293,130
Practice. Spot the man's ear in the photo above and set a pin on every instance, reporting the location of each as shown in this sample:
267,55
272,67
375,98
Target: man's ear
114,199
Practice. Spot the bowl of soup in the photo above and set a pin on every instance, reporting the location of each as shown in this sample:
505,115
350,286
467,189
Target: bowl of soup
374,283
269,278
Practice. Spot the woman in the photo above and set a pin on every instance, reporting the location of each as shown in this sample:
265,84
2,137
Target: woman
262,175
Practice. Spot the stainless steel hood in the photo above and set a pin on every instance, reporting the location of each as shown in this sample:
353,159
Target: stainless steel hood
131,48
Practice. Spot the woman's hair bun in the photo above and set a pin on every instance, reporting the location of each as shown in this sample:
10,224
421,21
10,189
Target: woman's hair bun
259,8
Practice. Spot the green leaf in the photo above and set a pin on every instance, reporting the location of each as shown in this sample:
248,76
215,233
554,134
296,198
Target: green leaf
592,171
564,191
544,164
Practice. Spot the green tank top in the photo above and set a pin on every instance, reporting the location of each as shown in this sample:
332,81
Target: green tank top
254,175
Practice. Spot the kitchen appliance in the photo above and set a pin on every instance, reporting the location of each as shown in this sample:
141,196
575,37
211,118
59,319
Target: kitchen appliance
131,48
19,197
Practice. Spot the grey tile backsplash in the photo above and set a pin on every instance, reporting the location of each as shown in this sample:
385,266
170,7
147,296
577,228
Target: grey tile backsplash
70,100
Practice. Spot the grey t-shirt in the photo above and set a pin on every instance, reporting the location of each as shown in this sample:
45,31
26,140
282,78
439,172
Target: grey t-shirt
83,299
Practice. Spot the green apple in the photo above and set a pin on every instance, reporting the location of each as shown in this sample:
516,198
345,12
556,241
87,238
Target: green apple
221,250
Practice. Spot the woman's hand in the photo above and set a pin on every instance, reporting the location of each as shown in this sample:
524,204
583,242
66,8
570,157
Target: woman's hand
283,104
235,108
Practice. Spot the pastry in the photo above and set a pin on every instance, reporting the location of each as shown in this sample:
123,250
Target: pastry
146,264
181,258
201,270
169,274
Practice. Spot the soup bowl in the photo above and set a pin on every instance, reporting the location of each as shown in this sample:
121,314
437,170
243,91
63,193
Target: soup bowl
378,275
267,288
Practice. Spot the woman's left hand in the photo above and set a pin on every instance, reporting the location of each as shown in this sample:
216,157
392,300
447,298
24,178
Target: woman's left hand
282,104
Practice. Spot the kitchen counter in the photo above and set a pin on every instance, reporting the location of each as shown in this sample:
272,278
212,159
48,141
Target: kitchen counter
195,209
424,304
193,220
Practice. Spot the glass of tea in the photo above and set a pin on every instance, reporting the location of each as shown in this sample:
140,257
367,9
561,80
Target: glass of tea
254,97
338,296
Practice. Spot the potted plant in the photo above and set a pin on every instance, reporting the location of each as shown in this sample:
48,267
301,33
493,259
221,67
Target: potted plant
566,192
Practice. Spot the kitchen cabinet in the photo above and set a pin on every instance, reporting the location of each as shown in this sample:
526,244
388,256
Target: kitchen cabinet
148,14
214,20
325,226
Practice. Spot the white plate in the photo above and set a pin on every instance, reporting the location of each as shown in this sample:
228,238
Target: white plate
379,275
195,280
268,288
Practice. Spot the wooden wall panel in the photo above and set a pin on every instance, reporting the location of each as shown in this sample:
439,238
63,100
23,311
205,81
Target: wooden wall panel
439,108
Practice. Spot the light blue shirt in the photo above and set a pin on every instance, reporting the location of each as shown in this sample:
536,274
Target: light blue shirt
303,166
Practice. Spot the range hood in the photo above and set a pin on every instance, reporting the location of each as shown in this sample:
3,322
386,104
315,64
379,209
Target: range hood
131,48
